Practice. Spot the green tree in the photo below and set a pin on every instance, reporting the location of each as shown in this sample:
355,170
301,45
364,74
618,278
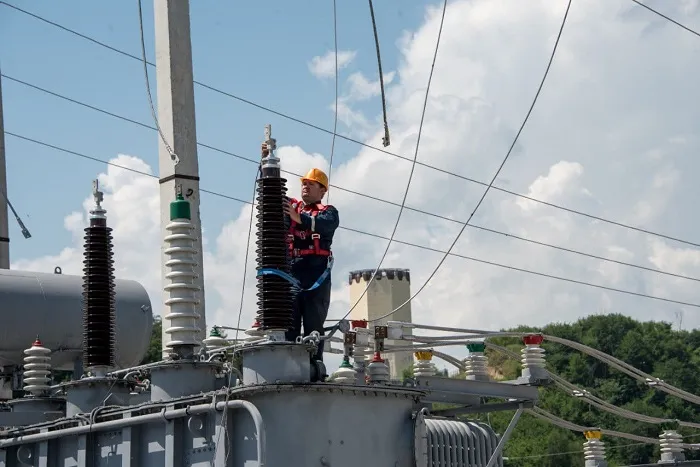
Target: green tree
155,352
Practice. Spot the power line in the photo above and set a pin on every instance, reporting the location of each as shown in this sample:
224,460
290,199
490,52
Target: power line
335,109
374,198
692,31
413,166
385,140
503,163
168,148
362,232
324,130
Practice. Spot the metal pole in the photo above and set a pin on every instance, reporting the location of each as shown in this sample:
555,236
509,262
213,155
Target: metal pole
176,117
4,227
505,437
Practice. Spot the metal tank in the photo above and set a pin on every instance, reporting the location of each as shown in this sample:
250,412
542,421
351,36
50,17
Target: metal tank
49,305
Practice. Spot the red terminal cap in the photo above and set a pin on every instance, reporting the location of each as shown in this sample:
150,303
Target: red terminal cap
533,339
359,323
37,343
377,358
256,324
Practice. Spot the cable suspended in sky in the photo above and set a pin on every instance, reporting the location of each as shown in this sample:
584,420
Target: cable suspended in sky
505,159
369,234
364,195
361,143
171,151
386,141
413,166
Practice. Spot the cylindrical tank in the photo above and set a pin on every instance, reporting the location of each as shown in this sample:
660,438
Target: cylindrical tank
49,305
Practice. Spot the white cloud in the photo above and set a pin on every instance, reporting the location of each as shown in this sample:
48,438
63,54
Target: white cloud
324,66
613,134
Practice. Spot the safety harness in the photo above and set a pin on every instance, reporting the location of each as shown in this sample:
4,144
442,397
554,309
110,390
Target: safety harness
312,248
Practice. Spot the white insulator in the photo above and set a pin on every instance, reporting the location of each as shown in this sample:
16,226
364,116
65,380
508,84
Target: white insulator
594,451
254,333
37,369
214,342
378,372
671,445
182,317
360,354
424,368
476,365
532,357
345,375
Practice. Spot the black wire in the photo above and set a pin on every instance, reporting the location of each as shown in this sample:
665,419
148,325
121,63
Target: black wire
503,163
247,249
413,166
385,140
335,109
381,200
316,127
349,229
692,31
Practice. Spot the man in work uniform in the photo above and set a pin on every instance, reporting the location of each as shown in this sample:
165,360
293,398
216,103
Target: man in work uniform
311,229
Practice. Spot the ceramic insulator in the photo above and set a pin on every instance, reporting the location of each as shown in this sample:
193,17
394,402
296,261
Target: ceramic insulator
594,450
475,364
182,315
671,442
424,368
532,356
37,369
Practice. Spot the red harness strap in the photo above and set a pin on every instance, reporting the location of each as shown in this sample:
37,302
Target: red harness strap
308,233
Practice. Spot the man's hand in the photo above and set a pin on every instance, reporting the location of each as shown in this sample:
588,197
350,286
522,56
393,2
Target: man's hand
291,211
265,151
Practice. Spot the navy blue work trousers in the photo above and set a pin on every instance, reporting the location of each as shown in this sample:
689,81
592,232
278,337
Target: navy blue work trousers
311,308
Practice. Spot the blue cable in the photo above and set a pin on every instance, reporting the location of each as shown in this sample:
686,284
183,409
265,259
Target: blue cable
295,283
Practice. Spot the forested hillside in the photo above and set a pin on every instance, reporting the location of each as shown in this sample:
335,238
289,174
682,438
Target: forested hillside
651,347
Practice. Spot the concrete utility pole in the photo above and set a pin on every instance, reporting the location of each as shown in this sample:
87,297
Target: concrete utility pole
4,225
176,116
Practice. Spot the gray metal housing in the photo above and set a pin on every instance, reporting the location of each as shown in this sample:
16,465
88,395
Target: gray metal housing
49,305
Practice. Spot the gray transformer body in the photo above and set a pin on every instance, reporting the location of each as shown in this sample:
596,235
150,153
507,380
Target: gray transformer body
50,306
282,425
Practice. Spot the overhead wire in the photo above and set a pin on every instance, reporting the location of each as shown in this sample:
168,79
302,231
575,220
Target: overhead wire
386,140
369,146
614,362
505,159
415,158
369,234
335,107
144,59
247,250
585,395
692,31
364,195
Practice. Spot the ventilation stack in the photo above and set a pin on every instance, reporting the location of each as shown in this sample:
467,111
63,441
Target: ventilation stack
389,290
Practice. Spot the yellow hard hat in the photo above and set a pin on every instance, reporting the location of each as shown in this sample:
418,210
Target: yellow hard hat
316,175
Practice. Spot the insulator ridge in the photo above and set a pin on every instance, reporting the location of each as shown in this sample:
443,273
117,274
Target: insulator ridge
98,295
476,366
182,317
37,369
594,450
274,293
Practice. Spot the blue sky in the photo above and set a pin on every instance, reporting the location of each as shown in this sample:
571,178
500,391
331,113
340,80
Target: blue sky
256,50
612,135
